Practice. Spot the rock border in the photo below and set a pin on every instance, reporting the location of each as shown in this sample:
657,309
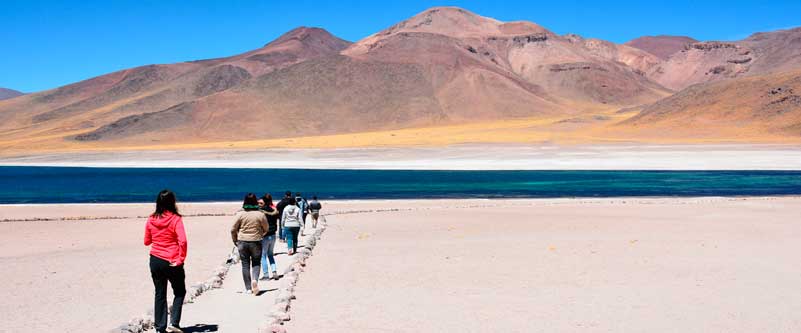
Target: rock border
144,323
279,312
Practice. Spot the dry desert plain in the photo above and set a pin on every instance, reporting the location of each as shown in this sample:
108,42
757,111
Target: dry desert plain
570,265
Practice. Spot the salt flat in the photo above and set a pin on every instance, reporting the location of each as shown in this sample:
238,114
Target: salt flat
458,157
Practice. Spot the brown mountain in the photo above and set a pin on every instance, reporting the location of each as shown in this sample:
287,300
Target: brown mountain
761,53
99,101
750,106
662,46
6,93
443,66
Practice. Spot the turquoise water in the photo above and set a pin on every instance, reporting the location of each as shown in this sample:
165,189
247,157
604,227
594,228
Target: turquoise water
81,185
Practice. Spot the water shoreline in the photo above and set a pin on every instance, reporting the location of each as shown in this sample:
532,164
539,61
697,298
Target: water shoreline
457,157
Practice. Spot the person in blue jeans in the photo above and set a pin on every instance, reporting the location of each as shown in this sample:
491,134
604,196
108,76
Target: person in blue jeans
282,232
268,242
293,222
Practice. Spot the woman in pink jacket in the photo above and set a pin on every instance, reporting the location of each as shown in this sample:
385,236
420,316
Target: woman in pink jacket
165,232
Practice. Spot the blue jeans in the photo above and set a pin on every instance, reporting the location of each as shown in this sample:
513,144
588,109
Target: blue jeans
292,238
267,245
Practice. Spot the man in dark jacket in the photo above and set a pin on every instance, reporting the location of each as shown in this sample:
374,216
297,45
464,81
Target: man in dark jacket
280,207
314,210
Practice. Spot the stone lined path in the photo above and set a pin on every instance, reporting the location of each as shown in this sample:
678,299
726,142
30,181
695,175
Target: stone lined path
228,309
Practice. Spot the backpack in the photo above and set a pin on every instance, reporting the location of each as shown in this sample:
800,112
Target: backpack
302,204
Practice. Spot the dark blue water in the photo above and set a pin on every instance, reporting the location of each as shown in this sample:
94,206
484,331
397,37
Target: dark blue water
80,185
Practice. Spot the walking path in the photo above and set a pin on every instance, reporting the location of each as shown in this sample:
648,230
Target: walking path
226,308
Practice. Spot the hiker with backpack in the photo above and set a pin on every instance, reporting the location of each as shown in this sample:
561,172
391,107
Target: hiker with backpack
303,205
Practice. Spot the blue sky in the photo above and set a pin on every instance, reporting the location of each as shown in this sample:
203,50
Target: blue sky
46,44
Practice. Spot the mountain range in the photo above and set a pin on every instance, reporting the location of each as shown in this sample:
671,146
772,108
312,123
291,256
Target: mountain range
6,93
442,67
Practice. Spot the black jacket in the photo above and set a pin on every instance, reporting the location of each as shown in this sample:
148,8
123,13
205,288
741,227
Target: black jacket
272,221
281,205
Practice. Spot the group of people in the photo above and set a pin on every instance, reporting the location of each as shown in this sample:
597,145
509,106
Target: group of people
253,233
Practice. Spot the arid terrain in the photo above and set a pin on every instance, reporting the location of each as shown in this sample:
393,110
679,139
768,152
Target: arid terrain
568,265
445,70
6,93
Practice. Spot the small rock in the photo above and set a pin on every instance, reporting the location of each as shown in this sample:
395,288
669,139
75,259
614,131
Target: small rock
278,329
279,315
280,307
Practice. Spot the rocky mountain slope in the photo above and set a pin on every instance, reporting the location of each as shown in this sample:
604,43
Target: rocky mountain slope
97,102
661,46
750,105
6,93
700,62
444,66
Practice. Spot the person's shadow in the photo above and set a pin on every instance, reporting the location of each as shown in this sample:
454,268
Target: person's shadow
200,328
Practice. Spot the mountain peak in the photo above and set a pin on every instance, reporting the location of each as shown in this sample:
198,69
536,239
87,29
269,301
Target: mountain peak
304,34
6,93
452,21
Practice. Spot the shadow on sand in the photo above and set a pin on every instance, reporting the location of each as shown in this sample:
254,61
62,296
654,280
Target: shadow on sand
200,328
262,292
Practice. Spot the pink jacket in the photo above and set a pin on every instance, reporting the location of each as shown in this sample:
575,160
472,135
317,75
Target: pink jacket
166,233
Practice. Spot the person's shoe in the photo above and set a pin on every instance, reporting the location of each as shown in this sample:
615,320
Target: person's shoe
275,275
254,285
266,276
247,292
174,329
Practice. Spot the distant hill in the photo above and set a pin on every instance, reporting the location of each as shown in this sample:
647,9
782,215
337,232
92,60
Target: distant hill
91,105
761,53
6,93
444,66
747,106
661,46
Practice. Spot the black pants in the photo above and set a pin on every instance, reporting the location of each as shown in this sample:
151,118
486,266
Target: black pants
293,232
161,272
250,255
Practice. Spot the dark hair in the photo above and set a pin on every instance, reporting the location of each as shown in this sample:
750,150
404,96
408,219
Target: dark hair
297,194
268,199
292,201
288,194
165,202
251,200
314,197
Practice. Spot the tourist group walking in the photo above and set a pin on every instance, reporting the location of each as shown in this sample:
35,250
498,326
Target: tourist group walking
257,226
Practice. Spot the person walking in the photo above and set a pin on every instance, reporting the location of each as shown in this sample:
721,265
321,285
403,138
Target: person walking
280,206
293,222
314,210
164,233
247,233
303,205
268,242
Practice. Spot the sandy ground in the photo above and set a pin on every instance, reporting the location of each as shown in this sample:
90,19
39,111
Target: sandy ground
457,157
92,275
707,264
655,265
